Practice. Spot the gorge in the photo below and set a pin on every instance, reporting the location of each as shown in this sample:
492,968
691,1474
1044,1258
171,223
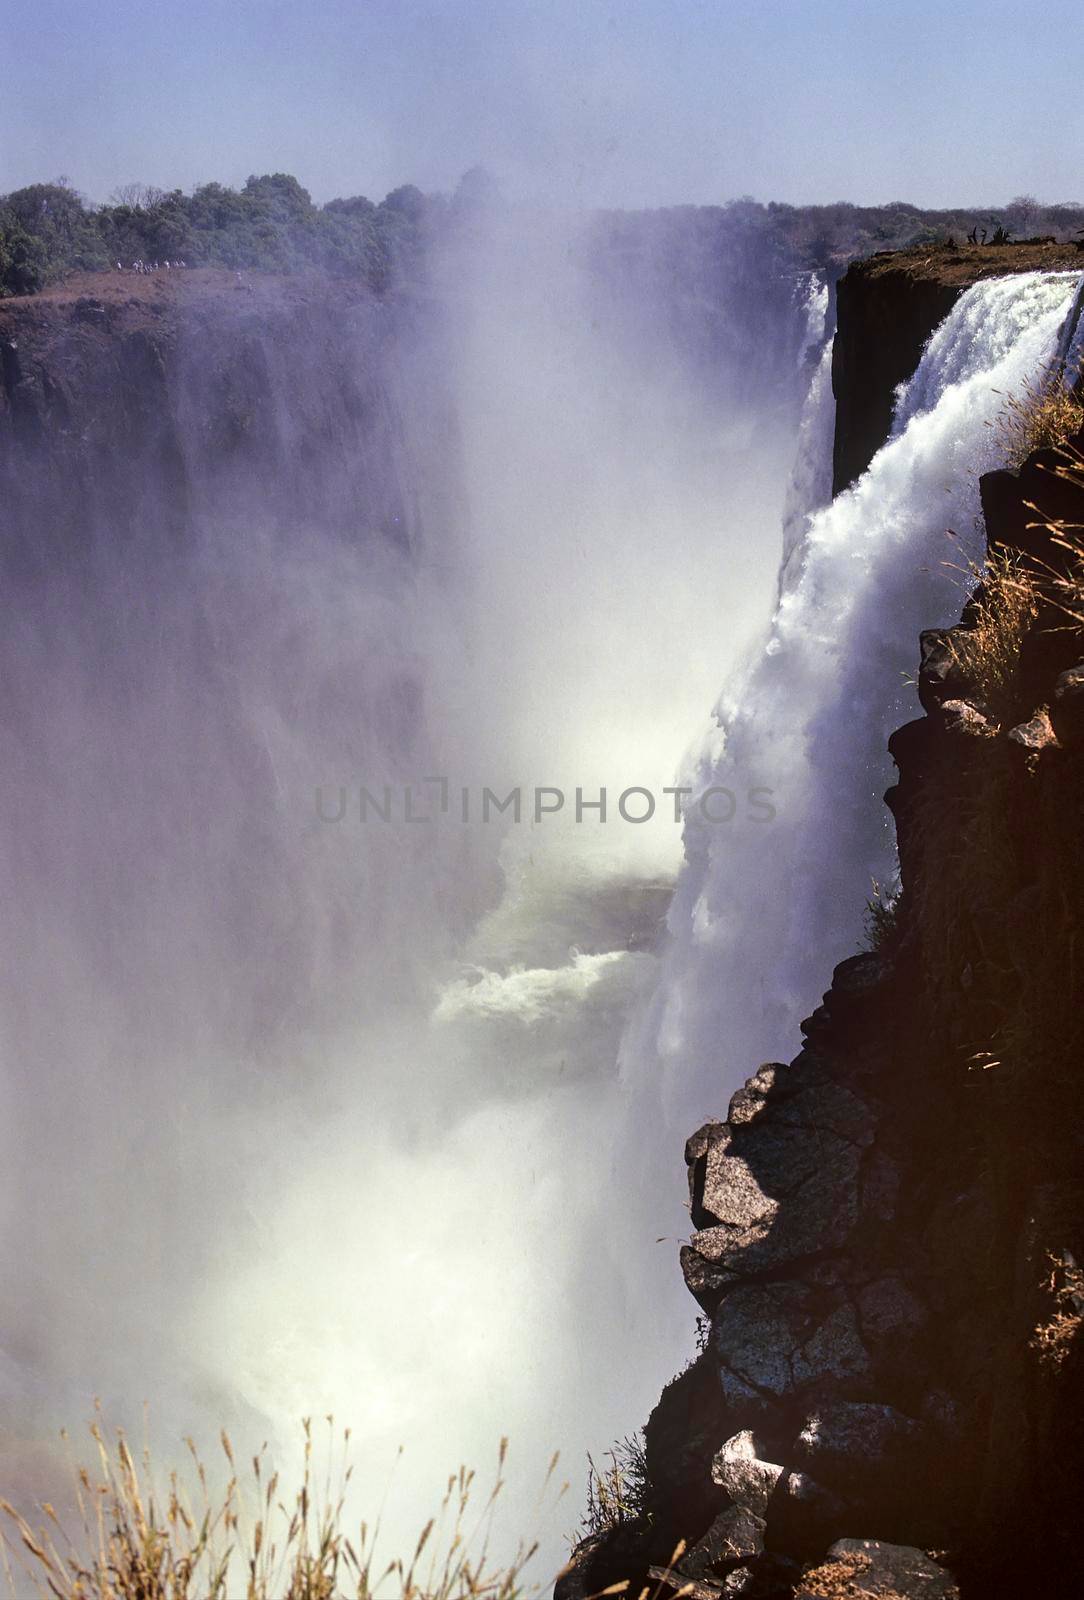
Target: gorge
386,1124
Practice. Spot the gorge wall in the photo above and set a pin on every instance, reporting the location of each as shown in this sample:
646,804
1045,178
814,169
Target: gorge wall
887,1229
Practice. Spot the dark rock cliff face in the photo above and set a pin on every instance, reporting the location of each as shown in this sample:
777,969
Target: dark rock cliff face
888,1228
887,308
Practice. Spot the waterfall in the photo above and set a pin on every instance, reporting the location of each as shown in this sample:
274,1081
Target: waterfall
811,481
764,908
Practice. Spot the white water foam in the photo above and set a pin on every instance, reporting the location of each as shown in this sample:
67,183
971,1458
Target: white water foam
763,910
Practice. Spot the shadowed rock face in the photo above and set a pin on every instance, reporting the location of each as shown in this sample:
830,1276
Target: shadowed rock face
884,322
861,1567
888,306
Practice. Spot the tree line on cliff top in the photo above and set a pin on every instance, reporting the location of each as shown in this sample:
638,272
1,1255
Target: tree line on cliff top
270,223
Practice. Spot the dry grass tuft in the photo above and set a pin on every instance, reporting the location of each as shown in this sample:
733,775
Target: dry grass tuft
1003,607
1045,417
616,1492
1055,1339
137,1541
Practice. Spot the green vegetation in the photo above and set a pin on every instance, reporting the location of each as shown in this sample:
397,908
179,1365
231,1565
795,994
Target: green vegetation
271,224
827,237
135,1536
618,1491
880,920
48,230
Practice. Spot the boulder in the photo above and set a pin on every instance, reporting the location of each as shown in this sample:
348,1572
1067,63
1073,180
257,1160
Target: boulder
941,675
869,1569
856,981
736,1536
747,1479
1030,739
1067,710
805,1516
859,1448
778,1185
960,717
775,1342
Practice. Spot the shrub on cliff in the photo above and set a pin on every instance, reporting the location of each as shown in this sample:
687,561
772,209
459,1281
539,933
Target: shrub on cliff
1045,416
617,1491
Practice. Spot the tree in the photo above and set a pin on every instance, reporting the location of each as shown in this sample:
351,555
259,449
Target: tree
1023,212
477,190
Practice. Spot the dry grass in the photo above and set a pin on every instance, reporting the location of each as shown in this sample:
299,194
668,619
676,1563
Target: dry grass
1055,1338
846,1578
1004,606
1063,583
617,1491
1044,417
997,919
137,1540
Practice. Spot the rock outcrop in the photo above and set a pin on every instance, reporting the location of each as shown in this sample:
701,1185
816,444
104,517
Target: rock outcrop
888,1227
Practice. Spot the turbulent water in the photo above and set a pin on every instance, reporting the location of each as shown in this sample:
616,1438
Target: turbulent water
308,1115
758,919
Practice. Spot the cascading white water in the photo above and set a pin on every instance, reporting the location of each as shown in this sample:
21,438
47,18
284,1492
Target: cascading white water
811,481
763,910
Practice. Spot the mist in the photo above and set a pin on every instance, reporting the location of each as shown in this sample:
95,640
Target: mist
310,1116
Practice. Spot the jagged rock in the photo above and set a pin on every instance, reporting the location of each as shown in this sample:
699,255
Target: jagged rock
612,1556
941,676
961,717
672,1580
800,1141
858,1448
776,1341
912,746
771,1577
1067,710
817,1024
805,1516
880,1186
888,1309
1032,738
856,981
747,1479
749,1101
736,1535
681,1439
861,1568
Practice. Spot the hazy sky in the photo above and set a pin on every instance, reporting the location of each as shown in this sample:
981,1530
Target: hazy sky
616,102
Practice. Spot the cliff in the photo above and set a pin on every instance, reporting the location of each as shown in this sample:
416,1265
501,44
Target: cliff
888,305
158,398
887,1229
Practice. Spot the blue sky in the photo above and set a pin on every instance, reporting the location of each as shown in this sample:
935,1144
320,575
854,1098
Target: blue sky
614,102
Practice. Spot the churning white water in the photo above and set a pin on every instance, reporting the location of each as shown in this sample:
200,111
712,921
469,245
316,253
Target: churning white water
763,910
